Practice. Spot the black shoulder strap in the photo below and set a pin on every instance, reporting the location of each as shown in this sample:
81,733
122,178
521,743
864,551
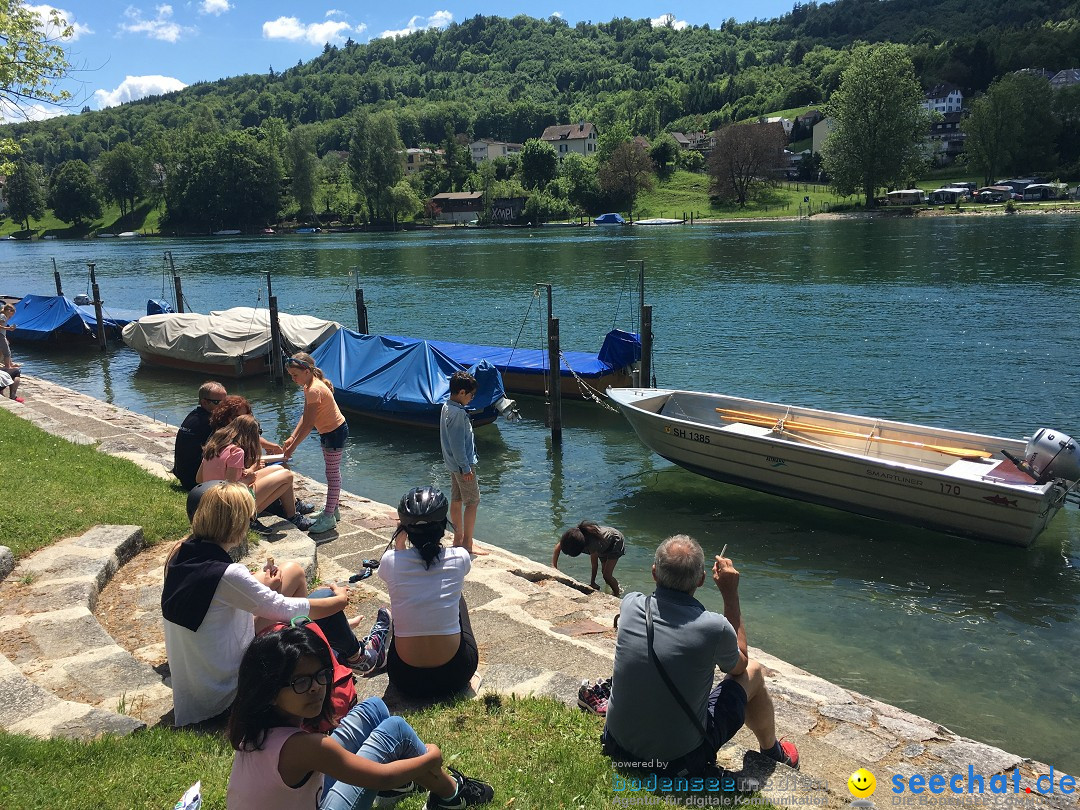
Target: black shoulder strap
663,674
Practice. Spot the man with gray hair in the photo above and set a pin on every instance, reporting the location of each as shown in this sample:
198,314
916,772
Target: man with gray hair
664,713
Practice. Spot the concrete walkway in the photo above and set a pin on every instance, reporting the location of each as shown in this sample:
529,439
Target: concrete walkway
81,651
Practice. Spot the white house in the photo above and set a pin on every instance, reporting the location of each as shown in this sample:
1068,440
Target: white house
416,160
566,138
487,149
944,98
786,123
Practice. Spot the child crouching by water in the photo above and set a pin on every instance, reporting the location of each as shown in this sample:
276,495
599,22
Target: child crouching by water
603,544
283,681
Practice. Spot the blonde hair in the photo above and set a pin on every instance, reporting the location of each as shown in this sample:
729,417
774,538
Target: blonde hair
224,514
309,361
243,431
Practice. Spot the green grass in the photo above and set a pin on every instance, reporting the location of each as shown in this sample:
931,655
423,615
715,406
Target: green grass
687,192
145,219
53,488
536,752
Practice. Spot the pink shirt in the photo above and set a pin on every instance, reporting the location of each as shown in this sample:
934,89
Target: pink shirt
213,469
328,416
255,783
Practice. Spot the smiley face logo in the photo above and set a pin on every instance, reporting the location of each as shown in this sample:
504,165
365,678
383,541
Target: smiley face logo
862,784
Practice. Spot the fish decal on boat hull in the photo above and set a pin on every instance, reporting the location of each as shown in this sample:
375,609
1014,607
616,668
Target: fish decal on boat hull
1000,500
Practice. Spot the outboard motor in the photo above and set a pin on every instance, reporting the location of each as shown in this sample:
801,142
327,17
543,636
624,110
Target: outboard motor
1050,454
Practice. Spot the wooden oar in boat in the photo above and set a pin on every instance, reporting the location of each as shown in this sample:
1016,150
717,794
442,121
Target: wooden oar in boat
766,421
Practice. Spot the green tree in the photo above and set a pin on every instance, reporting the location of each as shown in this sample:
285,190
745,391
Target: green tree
665,155
879,125
612,137
404,201
993,131
74,192
302,166
539,163
628,172
583,188
25,193
125,175
31,61
375,152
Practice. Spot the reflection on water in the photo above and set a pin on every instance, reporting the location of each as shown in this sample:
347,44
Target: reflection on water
946,322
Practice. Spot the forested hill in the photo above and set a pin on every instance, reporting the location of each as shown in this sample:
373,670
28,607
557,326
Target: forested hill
508,78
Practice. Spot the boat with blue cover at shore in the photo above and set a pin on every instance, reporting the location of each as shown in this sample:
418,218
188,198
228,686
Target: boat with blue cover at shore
59,320
405,382
525,371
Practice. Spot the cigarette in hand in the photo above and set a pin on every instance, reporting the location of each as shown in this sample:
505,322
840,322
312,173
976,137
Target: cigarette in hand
723,551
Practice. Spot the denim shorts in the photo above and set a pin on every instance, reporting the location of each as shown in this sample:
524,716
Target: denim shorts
335,439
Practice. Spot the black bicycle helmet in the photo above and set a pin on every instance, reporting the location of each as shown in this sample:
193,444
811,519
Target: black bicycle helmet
422,505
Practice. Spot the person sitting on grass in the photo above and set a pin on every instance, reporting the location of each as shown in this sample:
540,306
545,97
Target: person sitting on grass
9,380
212,607
232,454
603,544
283,681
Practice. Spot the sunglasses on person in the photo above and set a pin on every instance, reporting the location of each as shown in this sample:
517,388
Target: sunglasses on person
213,401
292,361
302,683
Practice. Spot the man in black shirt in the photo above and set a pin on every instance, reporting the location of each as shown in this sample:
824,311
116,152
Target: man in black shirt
194,432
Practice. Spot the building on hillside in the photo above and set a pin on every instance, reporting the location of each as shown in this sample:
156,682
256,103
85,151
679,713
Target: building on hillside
1065,78
487,149
944,98
416,160
459,206
786,123
641,142
821,131
947,138
809,118
566,138
681,139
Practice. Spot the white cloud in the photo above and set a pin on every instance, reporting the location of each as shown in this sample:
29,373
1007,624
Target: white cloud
135,87
11,114
440,19
216,7
558,14
334,12
161,27
44,13
668,20
290,28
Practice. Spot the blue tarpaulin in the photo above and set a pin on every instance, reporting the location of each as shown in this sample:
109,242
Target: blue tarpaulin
40,317
620,349
404,381
610,219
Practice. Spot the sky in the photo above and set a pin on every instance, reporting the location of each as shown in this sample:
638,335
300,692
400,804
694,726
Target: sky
122,51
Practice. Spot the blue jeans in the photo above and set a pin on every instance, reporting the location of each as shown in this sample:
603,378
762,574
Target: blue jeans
369,731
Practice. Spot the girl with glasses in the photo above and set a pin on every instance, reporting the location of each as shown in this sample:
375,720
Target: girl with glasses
321,413
283,682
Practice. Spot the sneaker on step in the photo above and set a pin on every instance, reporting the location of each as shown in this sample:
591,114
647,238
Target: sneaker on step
18,399
371,660
337,513
591,699
791,754
302,522
259,527
470,792
304,507
325,522
603,685
388,798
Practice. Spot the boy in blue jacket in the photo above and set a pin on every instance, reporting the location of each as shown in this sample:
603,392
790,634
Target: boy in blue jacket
459,453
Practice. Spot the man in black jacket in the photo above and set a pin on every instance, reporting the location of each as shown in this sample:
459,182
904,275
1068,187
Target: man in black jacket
194,432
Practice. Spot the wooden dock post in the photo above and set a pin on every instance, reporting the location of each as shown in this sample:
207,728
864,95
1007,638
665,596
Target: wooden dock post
646,347
176,283
56,278
555,364
277,357
361,313
102,341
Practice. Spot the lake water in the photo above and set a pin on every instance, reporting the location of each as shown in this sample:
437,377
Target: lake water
968,324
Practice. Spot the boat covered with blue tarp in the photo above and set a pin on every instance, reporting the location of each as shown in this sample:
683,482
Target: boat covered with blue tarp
402,380
57,318
525,371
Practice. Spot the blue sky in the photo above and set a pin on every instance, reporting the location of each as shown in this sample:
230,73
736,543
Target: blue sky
121,51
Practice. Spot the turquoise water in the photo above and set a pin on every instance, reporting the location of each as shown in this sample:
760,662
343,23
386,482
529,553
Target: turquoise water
963,324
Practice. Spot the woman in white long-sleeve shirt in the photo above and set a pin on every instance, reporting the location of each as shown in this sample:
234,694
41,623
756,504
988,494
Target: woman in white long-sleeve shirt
213,607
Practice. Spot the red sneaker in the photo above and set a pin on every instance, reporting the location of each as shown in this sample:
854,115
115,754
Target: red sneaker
19,399
791,754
